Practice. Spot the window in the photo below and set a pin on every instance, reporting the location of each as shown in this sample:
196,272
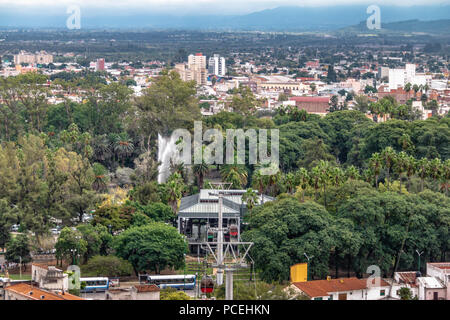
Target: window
382,292
331,297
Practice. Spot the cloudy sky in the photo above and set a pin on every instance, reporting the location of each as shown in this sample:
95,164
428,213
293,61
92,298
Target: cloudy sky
190,6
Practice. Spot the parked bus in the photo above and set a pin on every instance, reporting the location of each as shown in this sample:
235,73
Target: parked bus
186,282
95,284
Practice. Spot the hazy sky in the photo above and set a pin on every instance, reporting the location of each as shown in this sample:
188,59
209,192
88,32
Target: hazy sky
190,6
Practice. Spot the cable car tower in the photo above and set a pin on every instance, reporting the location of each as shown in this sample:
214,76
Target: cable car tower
235,260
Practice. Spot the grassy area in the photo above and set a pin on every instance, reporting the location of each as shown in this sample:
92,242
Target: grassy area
17,276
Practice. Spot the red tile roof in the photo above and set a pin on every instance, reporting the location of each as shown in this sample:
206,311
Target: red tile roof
322,288
440,265
33,293
310,99
407,278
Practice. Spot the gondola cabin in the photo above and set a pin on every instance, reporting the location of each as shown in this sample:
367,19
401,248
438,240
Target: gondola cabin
233,230
207,285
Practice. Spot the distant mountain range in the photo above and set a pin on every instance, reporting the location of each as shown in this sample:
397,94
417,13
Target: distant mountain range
408,26
331,18
293,19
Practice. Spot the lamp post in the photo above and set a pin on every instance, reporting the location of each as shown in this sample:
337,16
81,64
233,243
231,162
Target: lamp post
307,270
184,277
73,251
419,254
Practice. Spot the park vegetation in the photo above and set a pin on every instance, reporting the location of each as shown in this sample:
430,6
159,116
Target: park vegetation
351,192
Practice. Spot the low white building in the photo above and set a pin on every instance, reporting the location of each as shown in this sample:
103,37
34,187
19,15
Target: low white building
344,289
49,277
137,292
431,288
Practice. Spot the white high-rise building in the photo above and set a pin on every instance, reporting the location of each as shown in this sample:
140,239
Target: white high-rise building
216,65
398,78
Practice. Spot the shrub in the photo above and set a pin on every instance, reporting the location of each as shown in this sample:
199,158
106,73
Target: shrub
107,266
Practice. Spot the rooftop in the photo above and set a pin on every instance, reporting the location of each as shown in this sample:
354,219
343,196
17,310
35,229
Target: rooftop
322,288
205,204
445,266
430,283
311,99
407,277
34,293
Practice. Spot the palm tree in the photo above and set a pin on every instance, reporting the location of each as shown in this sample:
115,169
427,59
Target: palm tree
422,171
337,176
250,197
362,103
175,187
123,146
324,177
259,183
408,87
411,167
200,170
315,180
435,169
100,179
368,175
375,166
289,181
234,173
352,173
179,167
375,108
405,142
388,156
401,166
102,148
446,175
272,182
302,179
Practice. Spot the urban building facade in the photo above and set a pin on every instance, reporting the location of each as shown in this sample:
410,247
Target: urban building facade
195,69
216,65
29,58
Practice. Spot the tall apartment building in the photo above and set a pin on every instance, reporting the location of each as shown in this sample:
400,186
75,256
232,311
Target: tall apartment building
38,58
194,70
197,61
183,71
383,72
400,77
216,65
100,65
